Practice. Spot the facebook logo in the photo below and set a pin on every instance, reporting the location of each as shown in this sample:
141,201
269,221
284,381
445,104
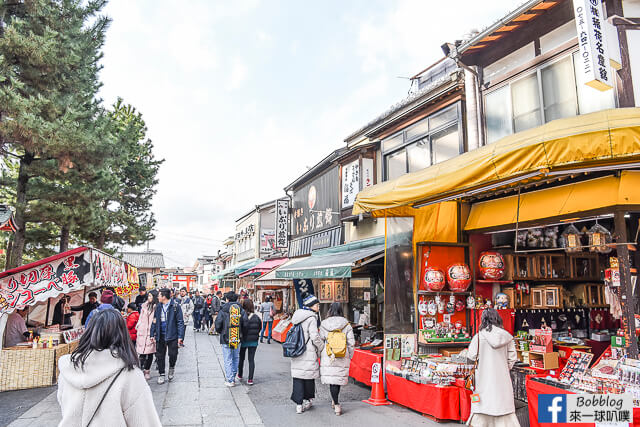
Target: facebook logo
552,408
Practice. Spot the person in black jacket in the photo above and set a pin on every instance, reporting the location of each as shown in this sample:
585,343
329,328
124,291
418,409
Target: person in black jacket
88,306
167,330
229,324
141,298
249,342
62,312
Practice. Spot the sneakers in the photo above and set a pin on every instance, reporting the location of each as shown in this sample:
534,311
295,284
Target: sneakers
161,379
299,409
171,373
338,410
249,382
229,384
306,404
147,374
239,377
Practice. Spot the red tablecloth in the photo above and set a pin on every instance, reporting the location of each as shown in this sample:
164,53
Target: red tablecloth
465,400
439,402
535,388
360,367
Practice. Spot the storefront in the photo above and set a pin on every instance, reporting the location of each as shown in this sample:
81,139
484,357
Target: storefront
39,286
542,223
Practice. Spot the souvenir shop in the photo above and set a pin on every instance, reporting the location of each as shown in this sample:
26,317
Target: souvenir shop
46,289
533,226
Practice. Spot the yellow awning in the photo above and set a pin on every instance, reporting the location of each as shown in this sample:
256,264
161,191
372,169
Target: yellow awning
557,201
607,137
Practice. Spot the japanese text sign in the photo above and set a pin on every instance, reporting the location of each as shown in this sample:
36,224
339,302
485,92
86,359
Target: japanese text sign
350,183
282,224
108,271
594,56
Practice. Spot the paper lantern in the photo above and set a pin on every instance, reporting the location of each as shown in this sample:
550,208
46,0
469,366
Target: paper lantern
491,265
434,279
458,277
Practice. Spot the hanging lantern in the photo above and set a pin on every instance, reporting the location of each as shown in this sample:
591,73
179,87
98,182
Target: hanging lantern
491,265
599,238
570,239
458,277
434,279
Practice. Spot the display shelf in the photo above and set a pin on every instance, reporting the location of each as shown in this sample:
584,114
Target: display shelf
500,282
444,293
445,344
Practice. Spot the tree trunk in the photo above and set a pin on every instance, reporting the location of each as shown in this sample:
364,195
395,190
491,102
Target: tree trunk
101,241
64,238
21,205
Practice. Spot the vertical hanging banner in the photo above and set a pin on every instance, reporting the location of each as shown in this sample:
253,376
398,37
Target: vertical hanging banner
592,33
350,183
282,224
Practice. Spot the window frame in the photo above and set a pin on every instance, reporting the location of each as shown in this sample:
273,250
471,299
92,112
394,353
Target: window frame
424,136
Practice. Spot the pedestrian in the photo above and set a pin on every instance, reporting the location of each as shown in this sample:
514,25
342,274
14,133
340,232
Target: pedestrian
186,303
198,309
268,311
229,325
100,383
87,307
141,298
216,303
132,321
168,332
249,341
305,368
339,344
206,313
145,346
62,312
495,352
118,303
106,300
244,294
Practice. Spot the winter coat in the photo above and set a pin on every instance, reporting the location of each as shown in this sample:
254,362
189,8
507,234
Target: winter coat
306,366
144,344
132,321
252,328
86,309
175,322
140,300
336,371
128,403
118,302
493,381
199,304
187,307
222,322
99,308
215,306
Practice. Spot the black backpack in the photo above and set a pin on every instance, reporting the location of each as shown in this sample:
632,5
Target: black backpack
294,345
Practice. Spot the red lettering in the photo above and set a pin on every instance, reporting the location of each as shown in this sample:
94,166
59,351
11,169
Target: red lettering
69,278
46,273
69,263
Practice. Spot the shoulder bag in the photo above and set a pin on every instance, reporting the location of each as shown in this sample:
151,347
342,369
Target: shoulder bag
104,395
470,379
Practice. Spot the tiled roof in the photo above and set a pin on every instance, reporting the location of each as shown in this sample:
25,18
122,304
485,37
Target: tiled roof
144,259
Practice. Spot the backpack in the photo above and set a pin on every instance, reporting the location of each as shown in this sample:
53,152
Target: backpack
337,343
234,325
295,344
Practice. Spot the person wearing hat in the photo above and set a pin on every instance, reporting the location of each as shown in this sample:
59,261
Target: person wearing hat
305,368
106,301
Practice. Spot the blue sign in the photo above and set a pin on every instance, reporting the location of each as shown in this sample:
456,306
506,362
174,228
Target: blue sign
552,408
304,288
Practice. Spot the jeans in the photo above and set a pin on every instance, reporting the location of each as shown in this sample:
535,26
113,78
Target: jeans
264,326
252,360
231,360
161,350
197,318
303,390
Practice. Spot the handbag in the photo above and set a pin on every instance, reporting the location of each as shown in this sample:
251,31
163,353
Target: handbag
103,396
470,379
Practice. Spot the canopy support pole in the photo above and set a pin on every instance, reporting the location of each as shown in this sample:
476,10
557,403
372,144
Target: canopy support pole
626,292
46,319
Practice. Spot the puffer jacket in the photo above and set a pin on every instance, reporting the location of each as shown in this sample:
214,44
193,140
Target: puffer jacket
252,328
306,366
336,371
144,343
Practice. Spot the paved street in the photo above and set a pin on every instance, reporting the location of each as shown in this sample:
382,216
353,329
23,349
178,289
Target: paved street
197,396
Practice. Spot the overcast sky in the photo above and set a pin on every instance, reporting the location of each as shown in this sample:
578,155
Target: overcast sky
241,96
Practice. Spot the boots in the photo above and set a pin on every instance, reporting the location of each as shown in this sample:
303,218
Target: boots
337,409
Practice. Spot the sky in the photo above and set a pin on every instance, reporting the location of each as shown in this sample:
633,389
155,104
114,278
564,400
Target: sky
241,97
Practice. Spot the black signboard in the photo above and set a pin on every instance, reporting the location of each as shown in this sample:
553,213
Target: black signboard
316,205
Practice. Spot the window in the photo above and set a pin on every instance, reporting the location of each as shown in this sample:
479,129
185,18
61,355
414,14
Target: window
553,91
427,142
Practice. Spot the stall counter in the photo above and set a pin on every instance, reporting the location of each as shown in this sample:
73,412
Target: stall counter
442,403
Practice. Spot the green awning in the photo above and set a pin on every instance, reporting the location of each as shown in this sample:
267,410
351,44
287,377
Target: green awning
333,263
241,268
223,273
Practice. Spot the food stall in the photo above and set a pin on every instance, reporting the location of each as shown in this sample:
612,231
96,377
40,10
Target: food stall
521,215
39,285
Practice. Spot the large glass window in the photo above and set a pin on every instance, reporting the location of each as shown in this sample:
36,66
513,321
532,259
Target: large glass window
498,114
559,90
429,141
525,99
398,281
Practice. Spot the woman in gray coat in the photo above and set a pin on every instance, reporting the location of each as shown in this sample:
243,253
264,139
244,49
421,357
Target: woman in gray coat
305,368
335,370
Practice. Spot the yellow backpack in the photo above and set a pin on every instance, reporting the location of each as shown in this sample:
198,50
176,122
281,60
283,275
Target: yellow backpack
337,343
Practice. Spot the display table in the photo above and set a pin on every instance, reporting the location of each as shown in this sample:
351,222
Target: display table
360,367
279,331
442,403
26,367
535,388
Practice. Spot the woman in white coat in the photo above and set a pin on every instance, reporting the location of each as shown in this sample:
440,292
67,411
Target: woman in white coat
335,370
305,368
495,351
100,383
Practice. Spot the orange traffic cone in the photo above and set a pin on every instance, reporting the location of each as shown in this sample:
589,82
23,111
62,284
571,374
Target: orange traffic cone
378,397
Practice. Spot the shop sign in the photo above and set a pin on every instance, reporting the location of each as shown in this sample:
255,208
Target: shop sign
267,241
316,205
249,231
45,281
592,39
350,183
302,287
282,224
321,241
72,335
367,173
108,271
339,272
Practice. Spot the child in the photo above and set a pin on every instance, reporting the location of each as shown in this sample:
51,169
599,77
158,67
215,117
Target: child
132,321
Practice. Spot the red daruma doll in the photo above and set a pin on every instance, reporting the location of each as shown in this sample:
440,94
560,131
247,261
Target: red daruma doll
458,277
491,265
433,279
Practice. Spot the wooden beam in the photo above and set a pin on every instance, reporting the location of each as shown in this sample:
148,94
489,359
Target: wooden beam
626,288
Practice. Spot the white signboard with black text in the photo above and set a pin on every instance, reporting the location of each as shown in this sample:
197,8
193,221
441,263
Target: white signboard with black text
592,39
350,183
282,224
